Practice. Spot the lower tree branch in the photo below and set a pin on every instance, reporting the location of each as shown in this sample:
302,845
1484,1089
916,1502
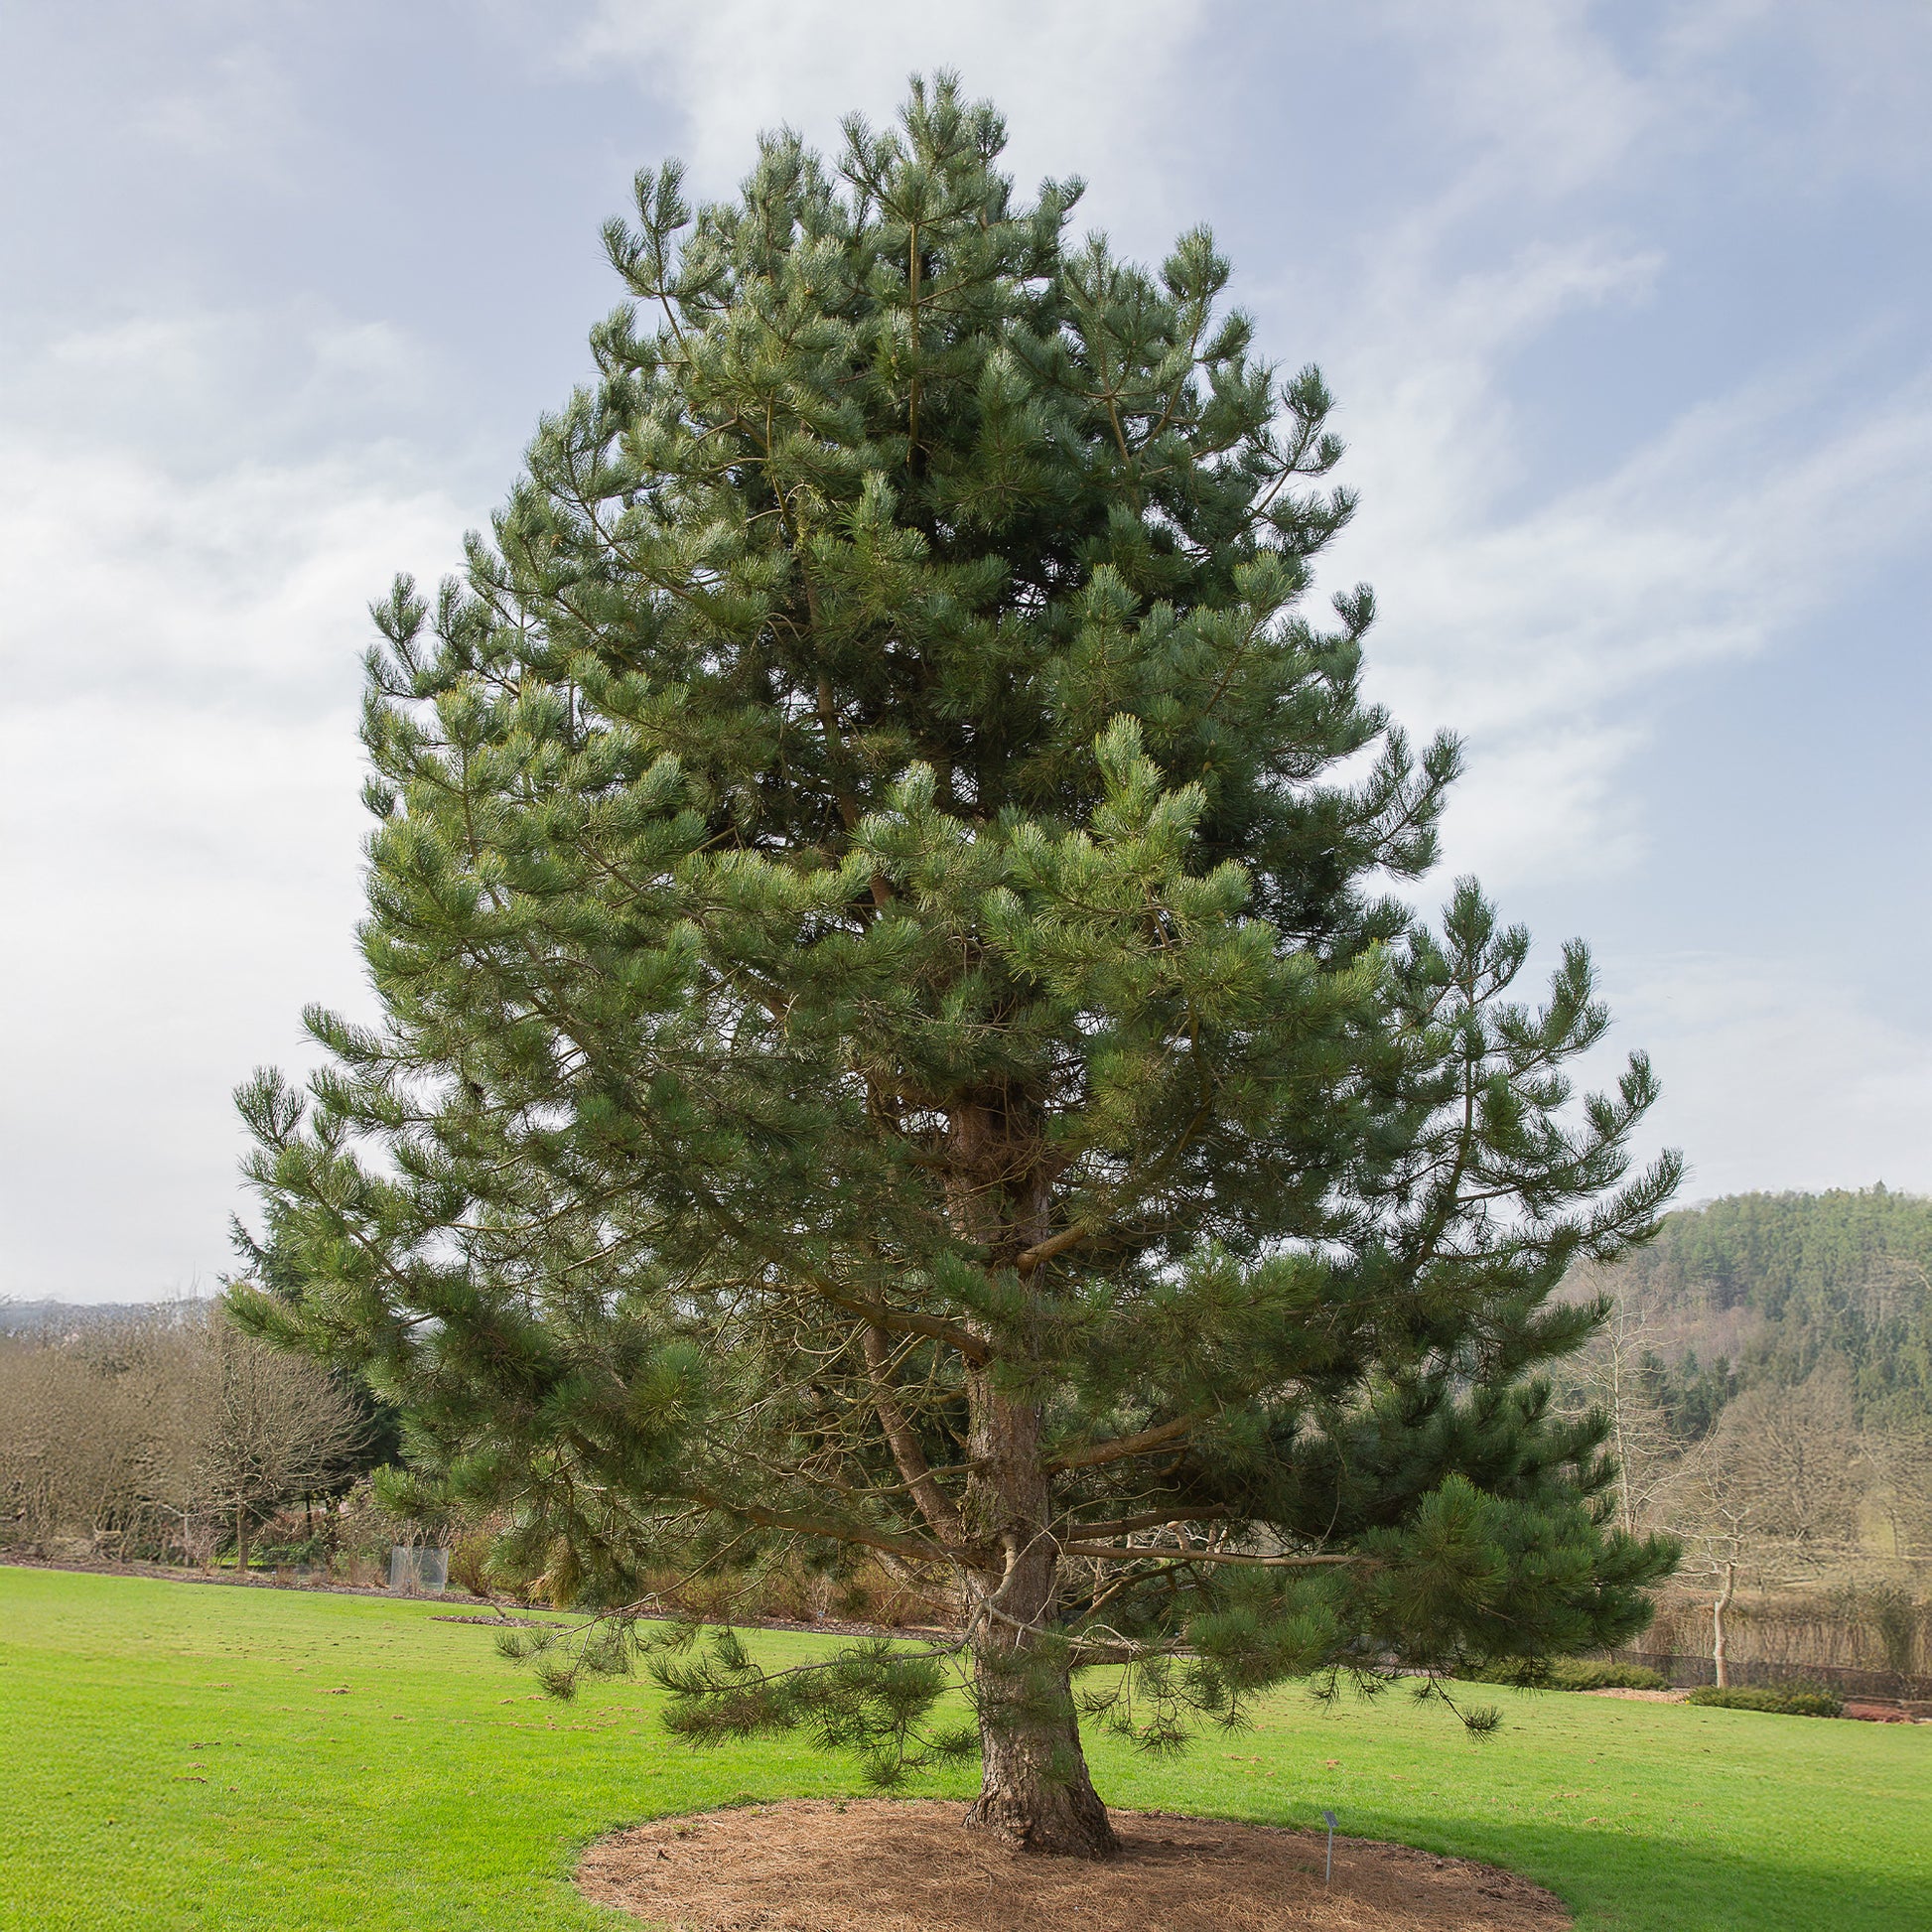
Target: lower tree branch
1115,1553
914,1548
1152,1519
934,1505
1096,1453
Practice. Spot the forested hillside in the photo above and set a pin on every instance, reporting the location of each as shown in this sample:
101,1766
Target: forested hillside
1759,1288
1766,1368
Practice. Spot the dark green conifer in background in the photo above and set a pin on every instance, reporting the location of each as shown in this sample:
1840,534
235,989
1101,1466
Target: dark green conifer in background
896,1037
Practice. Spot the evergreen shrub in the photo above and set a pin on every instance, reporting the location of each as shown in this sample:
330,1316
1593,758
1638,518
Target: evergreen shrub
1572,1673
1782,1699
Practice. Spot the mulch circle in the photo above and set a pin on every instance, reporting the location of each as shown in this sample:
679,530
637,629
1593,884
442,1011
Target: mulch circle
884,1866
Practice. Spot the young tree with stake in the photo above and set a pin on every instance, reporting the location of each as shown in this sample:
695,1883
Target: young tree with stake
895,1033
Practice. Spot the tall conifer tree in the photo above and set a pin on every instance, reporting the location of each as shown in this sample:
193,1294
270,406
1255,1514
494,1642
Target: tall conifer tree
896,1033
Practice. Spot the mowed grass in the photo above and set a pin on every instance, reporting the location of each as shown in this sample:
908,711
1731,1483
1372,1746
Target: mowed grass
175,1755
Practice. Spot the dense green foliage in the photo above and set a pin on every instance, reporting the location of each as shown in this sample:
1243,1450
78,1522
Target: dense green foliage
1690,1394
897,1034
424,1797
1844,1273
1779,1700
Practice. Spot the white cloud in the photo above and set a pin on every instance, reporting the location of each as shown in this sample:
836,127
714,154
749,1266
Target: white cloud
179,891
1855,81
239,107
1542,626
179,776
1087,85
1539,98
239,595
1543,633
1778,1076
201,388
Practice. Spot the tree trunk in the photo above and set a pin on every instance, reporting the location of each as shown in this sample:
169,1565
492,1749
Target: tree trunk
240,1540
1034,1790
1719,1654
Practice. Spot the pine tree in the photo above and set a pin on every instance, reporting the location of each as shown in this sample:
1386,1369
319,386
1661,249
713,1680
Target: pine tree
896,1034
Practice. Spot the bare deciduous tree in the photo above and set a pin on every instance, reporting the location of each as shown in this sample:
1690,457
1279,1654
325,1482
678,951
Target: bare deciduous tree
78,1426
1778,1486
1897,1454
1610,1378
1775,1491
279,1427
144,1427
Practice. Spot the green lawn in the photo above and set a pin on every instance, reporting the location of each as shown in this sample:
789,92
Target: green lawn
174,1755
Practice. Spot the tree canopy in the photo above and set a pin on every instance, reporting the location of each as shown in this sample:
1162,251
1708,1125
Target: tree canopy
898,1030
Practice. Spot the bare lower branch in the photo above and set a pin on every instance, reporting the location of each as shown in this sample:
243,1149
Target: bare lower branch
1115,1553
934,1505
915,1548
1047,1250
1121,1447
1152,1519
903,1321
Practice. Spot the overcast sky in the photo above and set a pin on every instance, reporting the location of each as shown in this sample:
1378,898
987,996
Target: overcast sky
1625,306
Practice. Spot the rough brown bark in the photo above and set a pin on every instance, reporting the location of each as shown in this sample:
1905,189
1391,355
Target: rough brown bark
1034,1790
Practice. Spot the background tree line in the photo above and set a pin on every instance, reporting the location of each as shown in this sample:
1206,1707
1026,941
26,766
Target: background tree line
1767,1368
1787,1281
165,1432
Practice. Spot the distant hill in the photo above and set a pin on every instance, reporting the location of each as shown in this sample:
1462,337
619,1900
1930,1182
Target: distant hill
38,1317
1772,1283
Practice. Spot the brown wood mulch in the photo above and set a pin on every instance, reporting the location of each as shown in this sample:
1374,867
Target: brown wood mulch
884,1866
1881,1714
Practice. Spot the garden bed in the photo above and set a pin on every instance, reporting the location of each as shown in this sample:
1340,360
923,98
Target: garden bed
881,1866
